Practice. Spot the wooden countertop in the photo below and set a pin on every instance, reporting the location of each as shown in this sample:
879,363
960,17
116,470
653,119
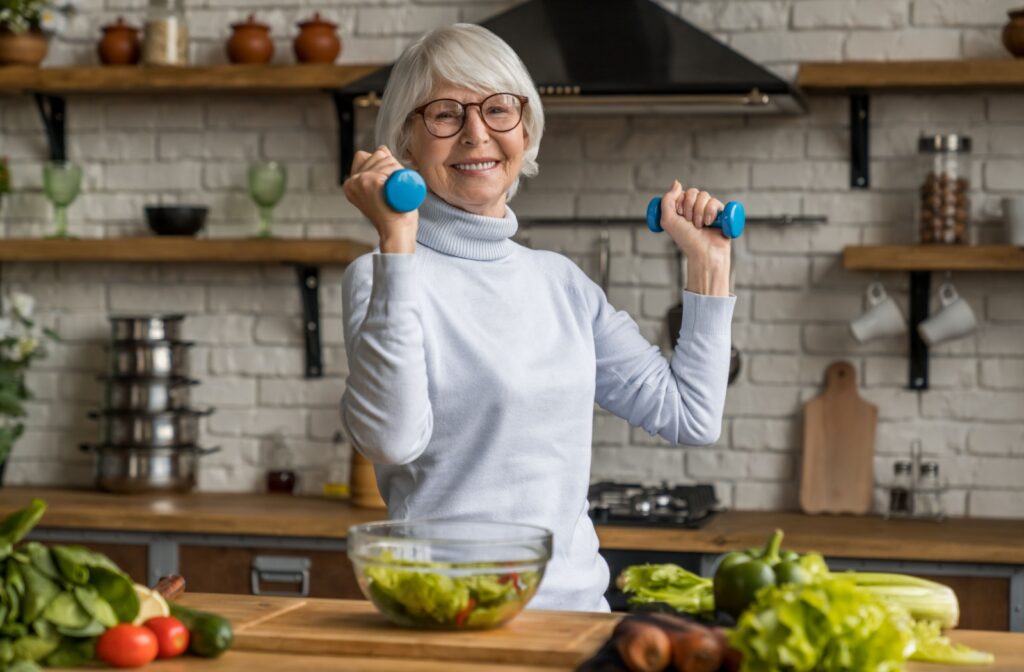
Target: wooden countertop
350,635
954,540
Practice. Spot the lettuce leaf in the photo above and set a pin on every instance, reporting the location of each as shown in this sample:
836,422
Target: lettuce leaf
680,589
829,625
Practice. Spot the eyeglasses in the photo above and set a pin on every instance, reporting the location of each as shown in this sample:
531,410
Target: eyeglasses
445,117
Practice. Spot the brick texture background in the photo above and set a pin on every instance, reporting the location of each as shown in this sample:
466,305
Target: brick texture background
794,297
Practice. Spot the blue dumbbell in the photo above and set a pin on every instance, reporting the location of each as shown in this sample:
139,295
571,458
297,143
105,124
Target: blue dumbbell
405,190
730,220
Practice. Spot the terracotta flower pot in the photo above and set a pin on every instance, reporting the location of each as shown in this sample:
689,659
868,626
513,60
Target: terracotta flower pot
250,42
120,45
22,48
1013,33
318,41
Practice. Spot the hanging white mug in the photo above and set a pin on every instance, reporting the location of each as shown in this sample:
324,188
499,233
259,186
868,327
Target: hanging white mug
954,320
882,318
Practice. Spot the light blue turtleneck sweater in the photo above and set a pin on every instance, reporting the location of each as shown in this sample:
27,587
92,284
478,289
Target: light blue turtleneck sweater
474,365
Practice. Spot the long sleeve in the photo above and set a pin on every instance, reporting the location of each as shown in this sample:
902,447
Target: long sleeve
385,408
683,399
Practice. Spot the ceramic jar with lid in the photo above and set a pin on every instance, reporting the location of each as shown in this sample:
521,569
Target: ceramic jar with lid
1013,33
317,41
120,44
250,42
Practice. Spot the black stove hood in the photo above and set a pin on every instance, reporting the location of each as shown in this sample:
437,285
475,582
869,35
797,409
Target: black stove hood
627,56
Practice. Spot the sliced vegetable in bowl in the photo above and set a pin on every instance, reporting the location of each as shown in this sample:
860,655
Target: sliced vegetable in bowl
449,575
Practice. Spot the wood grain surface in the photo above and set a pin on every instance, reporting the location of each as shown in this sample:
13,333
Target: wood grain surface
166,249
933,258
355,628
143,79
952,540
933,74
838,467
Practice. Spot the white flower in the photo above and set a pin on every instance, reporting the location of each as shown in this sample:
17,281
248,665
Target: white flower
52,22
26,346
6,328
23,304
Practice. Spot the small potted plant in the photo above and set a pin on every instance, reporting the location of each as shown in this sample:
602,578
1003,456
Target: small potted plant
25,27
22,341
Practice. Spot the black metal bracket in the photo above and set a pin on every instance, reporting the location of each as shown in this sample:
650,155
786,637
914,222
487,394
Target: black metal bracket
860,155
345,110
920,290
309,290
52,111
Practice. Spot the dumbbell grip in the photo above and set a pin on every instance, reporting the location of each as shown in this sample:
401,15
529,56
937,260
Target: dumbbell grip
731,220
404,190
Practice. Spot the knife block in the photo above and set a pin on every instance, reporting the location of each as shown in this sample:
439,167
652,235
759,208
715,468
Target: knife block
363,483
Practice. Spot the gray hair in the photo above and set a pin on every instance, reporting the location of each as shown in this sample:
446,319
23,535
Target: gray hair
467,56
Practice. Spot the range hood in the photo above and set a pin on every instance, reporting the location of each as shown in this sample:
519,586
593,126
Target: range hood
629,56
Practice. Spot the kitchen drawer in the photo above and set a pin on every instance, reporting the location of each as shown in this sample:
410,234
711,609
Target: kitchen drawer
230,569
984,600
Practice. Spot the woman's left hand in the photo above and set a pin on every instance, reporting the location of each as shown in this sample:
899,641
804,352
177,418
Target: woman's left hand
686,215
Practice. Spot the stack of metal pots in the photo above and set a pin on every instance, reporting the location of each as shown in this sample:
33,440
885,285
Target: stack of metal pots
150,432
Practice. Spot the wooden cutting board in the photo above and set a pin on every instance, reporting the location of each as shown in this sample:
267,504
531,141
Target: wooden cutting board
355,628
838,474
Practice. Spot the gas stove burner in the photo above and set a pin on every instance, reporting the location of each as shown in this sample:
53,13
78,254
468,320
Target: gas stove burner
664,506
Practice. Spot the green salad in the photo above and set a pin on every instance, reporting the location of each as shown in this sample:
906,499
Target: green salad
419,598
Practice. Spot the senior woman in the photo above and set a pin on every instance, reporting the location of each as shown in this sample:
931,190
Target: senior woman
474,362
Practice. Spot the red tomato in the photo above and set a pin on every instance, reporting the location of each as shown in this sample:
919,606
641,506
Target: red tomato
171,635
127,645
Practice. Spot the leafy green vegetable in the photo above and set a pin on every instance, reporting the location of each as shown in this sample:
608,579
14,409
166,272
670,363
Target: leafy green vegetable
829,625
55,600
933,647
680,589
425,596
15,526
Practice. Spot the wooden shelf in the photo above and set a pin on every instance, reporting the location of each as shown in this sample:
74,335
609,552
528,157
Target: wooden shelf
171,249
1002,73
933,258
142,79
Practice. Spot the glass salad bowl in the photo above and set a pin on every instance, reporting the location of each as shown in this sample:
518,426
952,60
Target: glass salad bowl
446,574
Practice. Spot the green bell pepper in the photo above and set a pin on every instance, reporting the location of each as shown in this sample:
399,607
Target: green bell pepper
742,573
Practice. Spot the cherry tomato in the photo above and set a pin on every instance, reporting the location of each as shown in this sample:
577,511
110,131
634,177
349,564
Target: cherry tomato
171,635
127,645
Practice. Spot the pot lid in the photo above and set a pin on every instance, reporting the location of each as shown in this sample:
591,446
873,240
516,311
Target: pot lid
119,25
316,21
250,22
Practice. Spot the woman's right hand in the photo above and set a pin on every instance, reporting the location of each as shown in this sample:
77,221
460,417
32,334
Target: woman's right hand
364,188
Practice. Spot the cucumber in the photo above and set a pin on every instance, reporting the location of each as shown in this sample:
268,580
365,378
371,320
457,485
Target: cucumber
209,634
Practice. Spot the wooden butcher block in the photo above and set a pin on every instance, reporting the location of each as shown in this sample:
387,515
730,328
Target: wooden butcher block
355,628
838,473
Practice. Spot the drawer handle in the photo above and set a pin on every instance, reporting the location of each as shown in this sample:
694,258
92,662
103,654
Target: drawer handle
280,569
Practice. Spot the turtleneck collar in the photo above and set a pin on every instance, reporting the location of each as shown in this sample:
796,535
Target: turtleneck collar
458,233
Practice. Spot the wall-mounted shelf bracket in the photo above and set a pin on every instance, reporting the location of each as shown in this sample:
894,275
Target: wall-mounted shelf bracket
309,289
920,289
860,155
52,111
345,110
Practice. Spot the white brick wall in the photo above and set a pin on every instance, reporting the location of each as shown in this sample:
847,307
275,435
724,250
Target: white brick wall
795,298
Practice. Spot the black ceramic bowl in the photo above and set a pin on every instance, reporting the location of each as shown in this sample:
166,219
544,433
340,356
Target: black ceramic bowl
176,220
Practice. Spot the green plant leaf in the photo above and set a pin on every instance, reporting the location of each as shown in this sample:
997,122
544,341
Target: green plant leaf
39,592
15,526
65,611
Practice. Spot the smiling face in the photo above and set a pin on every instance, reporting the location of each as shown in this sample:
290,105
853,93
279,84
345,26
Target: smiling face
474,168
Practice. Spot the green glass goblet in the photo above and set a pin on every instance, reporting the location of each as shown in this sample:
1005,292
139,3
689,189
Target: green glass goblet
62,181
267,183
